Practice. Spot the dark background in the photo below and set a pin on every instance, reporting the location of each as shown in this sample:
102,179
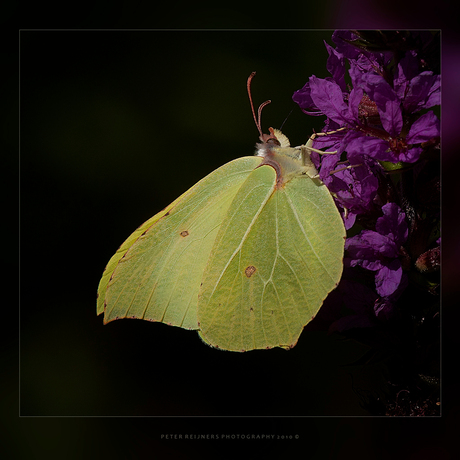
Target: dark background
114,126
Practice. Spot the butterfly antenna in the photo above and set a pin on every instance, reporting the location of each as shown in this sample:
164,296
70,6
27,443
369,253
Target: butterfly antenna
282,124
259,114
259,111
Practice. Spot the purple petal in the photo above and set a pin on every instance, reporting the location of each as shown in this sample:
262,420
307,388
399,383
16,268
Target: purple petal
331,142
356,73
372,265
302,97
393,223
354,100
384,307
387,102
411,155
355,188
423,92
336,67
408,68
367,248
424,129
387,279
434,97
349,219
328,97
329,164
372,146
347,50
336,142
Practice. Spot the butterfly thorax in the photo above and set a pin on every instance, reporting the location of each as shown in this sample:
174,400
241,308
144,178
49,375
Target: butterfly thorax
288,162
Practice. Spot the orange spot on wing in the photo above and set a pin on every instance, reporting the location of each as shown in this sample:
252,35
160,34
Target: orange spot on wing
250,270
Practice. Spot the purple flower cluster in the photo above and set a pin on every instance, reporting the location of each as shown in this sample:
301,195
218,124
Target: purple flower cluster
376,105
379,250
378,120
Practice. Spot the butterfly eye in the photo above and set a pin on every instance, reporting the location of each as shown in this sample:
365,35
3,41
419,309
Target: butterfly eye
273,141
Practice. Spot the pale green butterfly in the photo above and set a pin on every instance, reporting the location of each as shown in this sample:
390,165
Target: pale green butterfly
246,256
